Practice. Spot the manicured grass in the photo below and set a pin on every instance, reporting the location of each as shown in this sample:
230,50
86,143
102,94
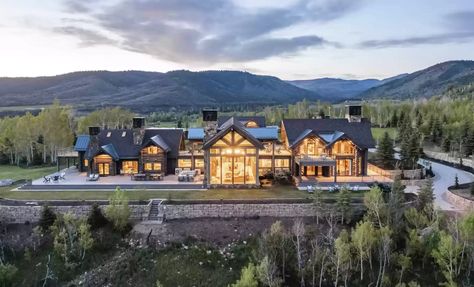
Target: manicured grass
379,132
15,172
279,192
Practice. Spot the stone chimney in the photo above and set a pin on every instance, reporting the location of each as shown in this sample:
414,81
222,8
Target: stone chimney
353,112
209,119
94,136
138,130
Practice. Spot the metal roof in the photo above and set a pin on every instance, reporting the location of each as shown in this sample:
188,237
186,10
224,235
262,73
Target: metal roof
268,133
195,134
82,142
158,140
264,133
110,150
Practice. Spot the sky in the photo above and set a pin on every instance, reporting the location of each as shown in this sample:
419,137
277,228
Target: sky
290,39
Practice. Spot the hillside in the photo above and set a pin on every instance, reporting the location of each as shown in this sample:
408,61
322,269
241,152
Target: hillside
426,83
146,91
340,89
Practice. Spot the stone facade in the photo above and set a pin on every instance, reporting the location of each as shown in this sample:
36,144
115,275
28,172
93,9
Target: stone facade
459,201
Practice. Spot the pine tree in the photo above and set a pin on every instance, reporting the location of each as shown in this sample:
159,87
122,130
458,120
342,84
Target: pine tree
385,150
426,196
47,219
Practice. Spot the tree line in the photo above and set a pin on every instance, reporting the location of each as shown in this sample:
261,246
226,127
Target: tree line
395,244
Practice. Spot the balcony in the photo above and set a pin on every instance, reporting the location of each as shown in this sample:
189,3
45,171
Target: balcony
322,160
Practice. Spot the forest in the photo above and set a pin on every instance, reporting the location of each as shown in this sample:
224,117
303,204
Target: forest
444,123
398,241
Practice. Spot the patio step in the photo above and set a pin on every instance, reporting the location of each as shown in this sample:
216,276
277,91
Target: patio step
154,214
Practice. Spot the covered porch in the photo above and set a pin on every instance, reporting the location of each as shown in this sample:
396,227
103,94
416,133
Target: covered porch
316,167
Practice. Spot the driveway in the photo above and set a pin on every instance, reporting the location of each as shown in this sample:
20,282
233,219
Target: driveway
444,177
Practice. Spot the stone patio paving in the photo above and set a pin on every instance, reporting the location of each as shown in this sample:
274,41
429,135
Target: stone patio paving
74,177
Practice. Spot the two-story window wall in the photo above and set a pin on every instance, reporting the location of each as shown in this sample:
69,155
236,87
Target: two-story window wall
347,160
233,160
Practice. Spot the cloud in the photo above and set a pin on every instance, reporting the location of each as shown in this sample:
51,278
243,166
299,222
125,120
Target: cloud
87,37
460,27
411,41
207,31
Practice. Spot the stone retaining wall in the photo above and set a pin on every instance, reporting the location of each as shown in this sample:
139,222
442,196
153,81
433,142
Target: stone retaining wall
394,173
459,201
22,214
239,210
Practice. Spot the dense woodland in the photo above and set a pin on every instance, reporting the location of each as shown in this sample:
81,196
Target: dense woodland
395,243
445,122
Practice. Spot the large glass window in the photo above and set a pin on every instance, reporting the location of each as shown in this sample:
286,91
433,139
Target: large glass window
153,166
215,170
282,164
344,167
184,163
233,161
264,165
130,166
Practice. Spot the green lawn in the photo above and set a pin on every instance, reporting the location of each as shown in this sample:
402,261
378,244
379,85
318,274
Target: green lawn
279,192
378,133
15,172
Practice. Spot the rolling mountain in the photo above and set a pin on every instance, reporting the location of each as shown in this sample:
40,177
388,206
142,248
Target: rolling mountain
426,83
340,89
147,91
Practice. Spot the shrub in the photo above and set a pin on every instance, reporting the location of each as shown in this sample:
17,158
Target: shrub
118,211
7,272
283,177
47,219
456,181
96,219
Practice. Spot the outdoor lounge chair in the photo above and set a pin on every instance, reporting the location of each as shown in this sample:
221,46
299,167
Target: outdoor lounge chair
93,177
62,176
55,178
46,179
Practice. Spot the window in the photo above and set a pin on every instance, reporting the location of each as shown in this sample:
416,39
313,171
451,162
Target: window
151,150
109,134
124,134
184,163
153,166
264,166
130,166
251,124
199,163
282,164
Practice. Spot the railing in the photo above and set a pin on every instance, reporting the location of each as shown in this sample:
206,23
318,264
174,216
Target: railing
67,152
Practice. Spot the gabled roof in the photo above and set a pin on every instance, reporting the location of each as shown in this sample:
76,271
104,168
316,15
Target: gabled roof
82,142
233,124
358,132
173,138
328,138
110,150
125,148
159,141
260,120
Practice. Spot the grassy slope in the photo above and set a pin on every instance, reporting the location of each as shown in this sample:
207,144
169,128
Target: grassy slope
378,133
15,172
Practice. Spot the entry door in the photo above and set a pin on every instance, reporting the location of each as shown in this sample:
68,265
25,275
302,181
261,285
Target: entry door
311,170
104,169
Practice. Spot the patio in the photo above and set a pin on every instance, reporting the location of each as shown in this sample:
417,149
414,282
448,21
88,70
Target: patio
73,179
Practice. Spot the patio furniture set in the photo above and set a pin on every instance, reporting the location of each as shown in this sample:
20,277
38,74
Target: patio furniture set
146,176
54,178
187,175
93,177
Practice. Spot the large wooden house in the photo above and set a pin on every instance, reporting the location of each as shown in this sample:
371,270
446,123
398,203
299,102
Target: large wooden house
234,151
